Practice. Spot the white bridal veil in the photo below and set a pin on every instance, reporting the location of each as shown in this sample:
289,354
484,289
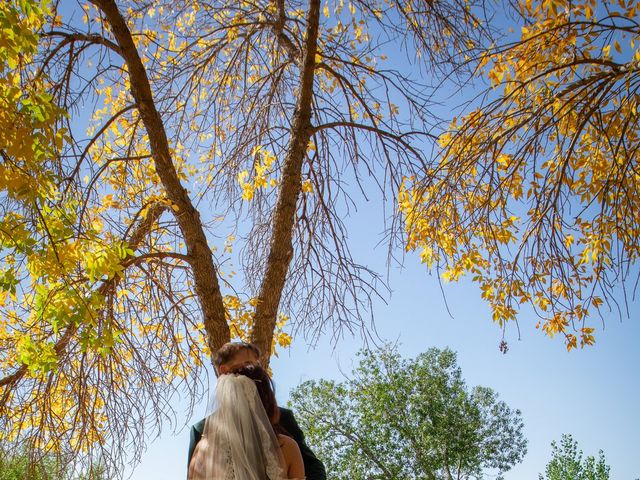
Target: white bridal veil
238,442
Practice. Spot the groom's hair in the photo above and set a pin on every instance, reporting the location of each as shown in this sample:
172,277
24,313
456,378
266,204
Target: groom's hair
229,350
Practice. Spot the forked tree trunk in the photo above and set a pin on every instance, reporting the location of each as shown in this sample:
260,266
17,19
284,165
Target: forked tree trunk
281,248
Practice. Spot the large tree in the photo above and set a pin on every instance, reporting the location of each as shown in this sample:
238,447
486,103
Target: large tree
187,120
408,419
535,194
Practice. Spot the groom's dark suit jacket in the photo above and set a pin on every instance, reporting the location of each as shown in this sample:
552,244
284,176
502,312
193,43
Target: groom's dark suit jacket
313,468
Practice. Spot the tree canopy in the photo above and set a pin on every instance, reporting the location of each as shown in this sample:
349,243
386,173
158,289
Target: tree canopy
160,137
395,418
536,191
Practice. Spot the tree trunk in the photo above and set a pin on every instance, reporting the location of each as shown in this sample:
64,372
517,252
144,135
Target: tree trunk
204,271
281,246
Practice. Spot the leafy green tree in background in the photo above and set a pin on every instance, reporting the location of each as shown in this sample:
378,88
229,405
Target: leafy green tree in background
567,464
25,464
408,419
21,466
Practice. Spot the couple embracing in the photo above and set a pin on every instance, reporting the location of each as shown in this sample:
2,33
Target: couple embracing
245,435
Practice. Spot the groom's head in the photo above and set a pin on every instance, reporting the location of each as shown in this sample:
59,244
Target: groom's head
235,355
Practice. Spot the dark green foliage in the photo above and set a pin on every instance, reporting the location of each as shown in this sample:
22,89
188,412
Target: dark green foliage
408,419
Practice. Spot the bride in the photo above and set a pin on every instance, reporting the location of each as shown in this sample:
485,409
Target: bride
241,439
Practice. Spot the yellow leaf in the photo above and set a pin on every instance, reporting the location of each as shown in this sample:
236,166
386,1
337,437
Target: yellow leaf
311,146
568,240
97,225
256,150
307,186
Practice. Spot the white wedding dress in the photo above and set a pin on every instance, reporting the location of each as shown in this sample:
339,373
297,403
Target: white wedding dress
238,442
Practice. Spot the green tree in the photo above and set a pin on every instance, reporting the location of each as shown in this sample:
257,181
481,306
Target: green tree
567,464
408,419
25,464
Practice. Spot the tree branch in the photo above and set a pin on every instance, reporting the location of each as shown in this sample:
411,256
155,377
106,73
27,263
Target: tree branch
141,231
281,248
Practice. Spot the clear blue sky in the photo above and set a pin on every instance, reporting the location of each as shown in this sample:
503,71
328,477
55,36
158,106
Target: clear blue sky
591,393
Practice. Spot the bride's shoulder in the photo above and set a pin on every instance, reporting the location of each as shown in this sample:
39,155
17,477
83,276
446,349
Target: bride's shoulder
287,444
292,457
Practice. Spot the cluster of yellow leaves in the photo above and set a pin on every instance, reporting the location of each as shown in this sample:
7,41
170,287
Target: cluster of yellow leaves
240,316
536,194
51,261
26,110
121,152
262,168
66,398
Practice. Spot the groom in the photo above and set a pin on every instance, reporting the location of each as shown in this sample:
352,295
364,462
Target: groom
235,355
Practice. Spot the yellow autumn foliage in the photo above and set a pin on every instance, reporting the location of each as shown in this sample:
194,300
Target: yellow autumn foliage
536,193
